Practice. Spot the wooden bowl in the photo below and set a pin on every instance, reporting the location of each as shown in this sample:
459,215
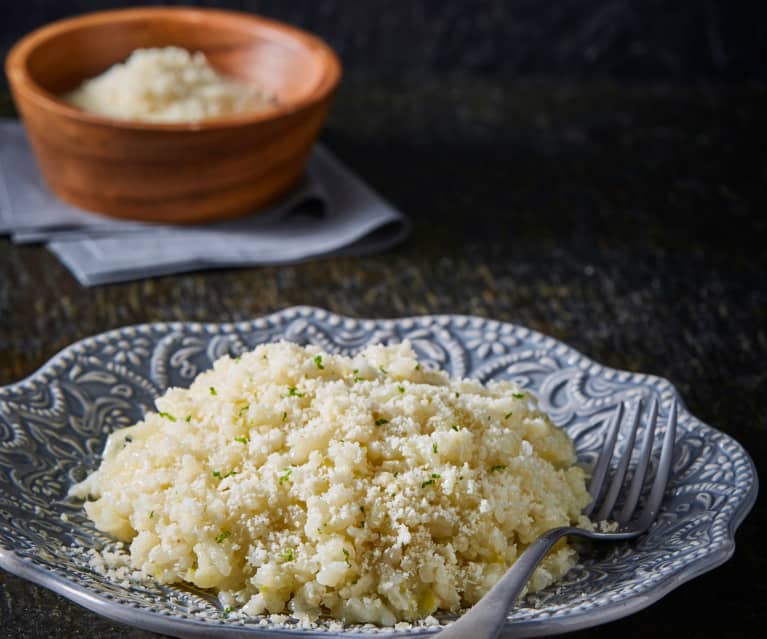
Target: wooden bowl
176,173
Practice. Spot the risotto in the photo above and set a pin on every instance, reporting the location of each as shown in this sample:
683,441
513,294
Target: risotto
166,84
365,489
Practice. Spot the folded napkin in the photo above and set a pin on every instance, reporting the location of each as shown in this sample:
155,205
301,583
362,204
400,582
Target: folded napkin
332,212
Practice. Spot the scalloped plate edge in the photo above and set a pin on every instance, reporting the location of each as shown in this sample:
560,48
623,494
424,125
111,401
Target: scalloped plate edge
194,629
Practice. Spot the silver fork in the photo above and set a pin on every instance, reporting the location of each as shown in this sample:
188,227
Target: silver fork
487,617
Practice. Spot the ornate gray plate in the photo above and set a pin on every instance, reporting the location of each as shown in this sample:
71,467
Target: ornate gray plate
54,423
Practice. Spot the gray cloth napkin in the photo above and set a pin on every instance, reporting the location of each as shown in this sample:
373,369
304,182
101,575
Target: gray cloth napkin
331,213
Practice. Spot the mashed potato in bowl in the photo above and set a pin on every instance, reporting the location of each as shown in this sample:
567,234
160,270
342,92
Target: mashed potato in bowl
366,489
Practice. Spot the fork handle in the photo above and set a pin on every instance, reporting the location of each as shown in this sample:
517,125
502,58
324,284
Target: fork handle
486,618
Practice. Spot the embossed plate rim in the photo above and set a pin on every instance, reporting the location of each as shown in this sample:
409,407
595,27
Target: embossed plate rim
191,627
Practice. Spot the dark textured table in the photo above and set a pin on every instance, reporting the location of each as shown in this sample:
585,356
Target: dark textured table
627,221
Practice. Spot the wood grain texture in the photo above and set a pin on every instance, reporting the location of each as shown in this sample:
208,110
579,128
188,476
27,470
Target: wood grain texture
179,173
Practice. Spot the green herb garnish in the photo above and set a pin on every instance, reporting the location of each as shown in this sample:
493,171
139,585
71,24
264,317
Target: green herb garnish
289,554
507,415
497,467
430,481
286,476
383,370
284,415
188,418
293,392
381,421
217,474
434,448
244,409
346,557
242,439
318,362
401,389
518,395
213,391
167,416
151,514
454,426
224,534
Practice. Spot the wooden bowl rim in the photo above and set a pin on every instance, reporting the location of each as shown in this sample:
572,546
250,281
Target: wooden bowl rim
20,80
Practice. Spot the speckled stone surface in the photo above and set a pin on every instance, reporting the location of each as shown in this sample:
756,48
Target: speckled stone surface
628,222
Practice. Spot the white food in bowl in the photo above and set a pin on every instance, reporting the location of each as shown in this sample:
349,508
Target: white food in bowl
367,489
167,84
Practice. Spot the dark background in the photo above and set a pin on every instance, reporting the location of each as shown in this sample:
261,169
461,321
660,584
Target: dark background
672,40
592,169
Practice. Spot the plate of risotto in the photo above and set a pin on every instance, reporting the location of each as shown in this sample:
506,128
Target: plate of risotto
307,474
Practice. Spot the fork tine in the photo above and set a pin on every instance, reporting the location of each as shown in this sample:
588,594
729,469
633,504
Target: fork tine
600,470
640,472
620,472
664,470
